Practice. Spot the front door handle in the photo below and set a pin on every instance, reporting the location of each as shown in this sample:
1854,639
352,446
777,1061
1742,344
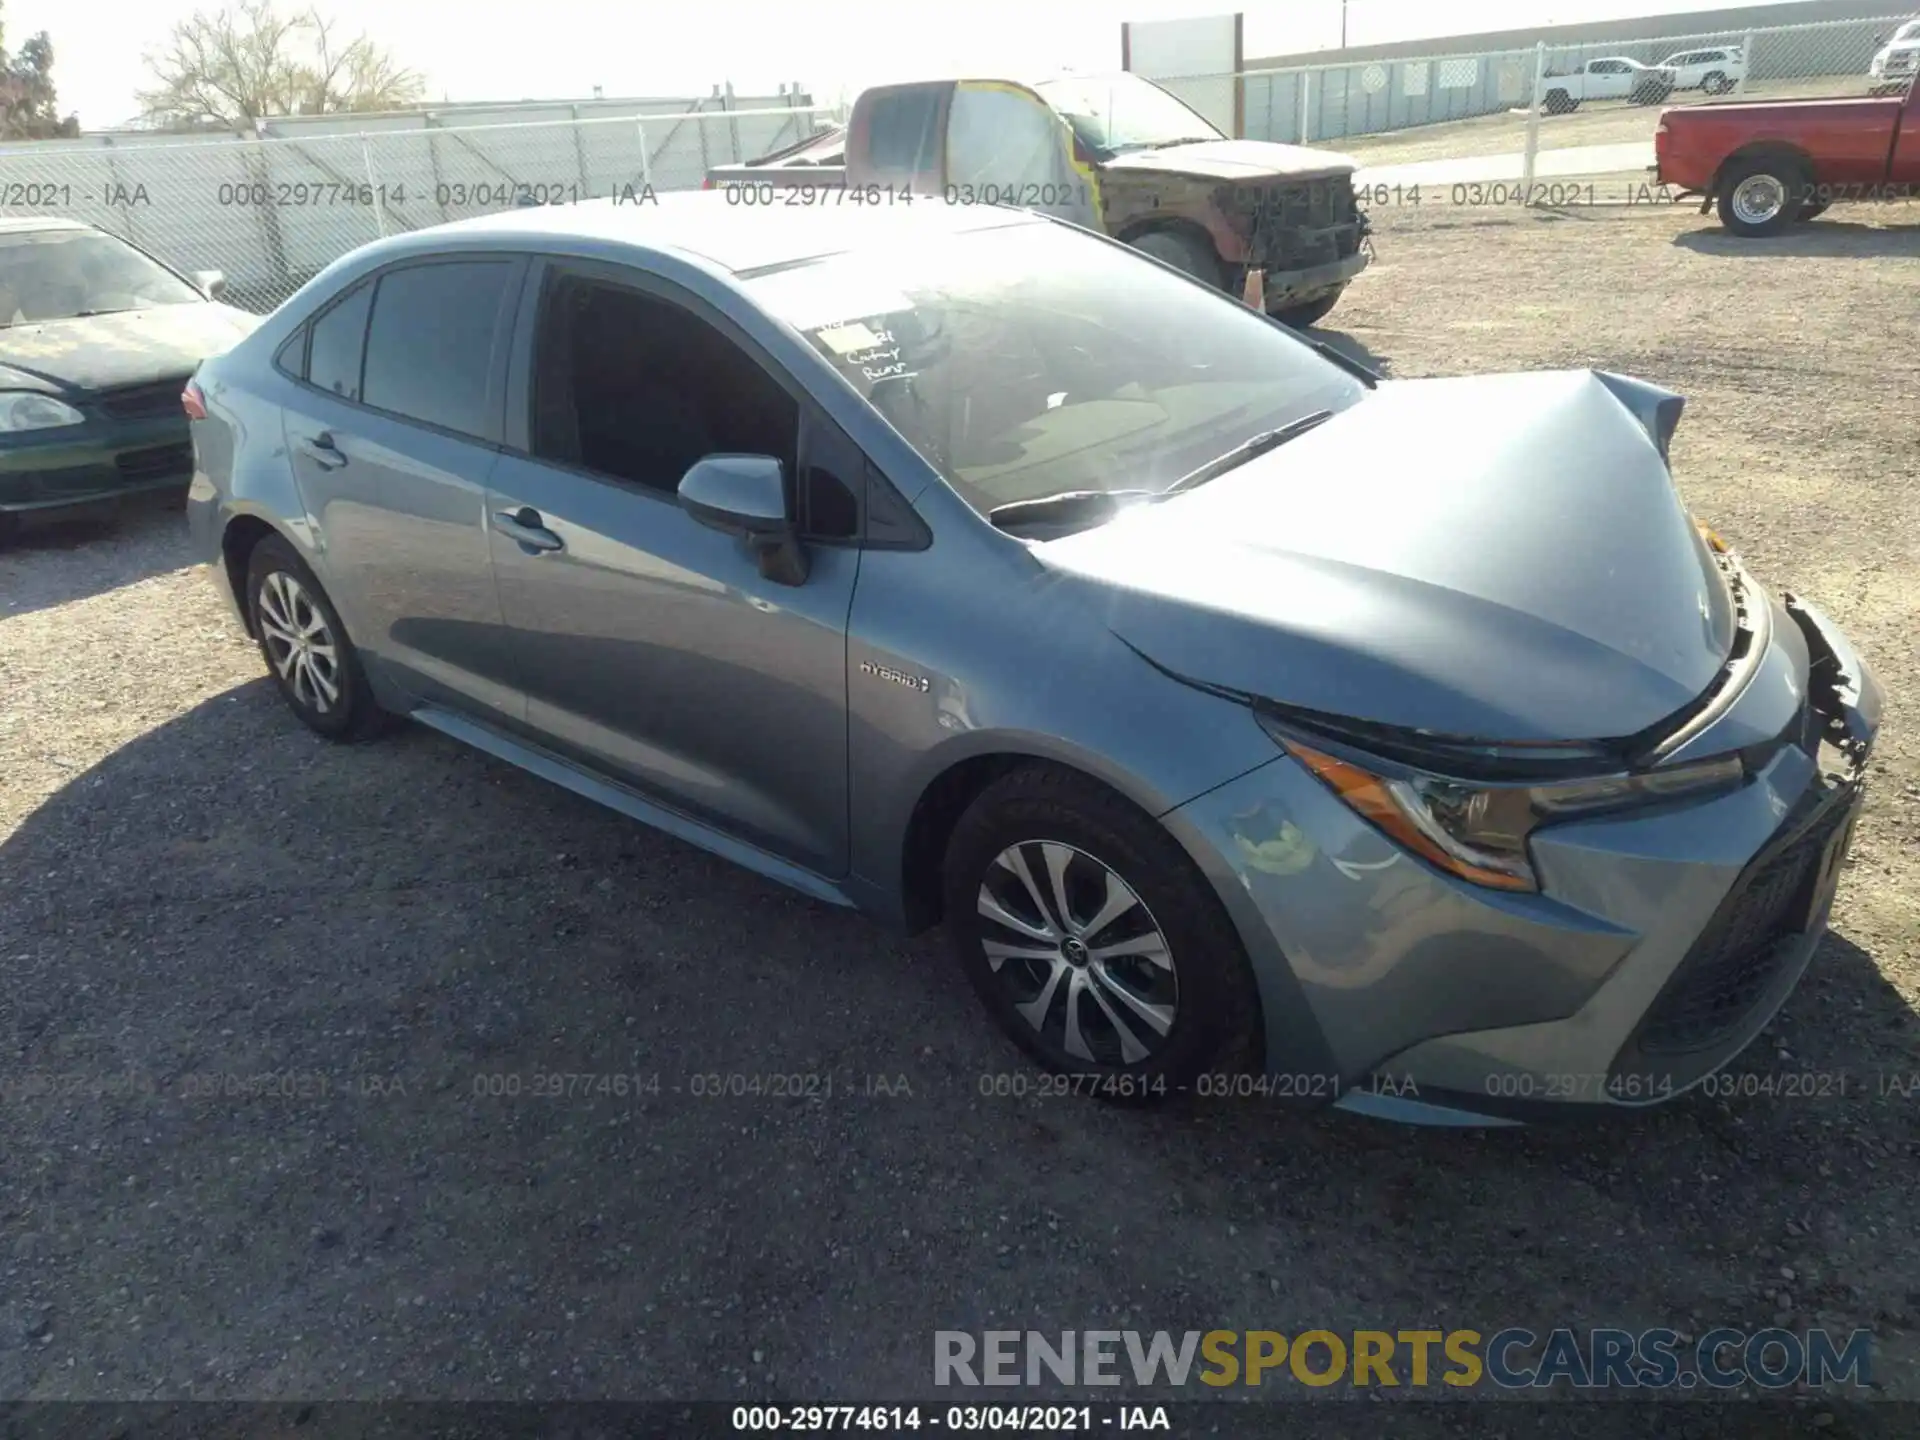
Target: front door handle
525,527
322,451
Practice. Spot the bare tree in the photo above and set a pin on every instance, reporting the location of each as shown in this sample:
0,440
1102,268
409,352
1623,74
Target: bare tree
252,61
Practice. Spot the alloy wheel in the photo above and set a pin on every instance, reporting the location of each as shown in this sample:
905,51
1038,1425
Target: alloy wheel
1083,960
299,642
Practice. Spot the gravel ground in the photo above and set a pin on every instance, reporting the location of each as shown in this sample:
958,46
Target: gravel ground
193,886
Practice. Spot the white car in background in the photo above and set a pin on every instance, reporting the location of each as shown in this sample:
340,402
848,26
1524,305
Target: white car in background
1715,69
1895,65
1612,77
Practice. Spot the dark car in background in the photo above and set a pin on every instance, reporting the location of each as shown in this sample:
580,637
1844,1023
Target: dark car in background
97,339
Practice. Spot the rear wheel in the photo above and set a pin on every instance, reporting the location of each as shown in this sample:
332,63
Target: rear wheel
1186,253
1094,940
306,647
1759,196
1559,102
1716,84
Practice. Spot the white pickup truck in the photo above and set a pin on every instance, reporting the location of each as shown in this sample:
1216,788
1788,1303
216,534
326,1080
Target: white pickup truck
1613,77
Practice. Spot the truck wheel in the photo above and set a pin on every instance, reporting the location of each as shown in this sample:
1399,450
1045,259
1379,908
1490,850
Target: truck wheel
1716,84
1758,196
1310,313
1559,103
1183,252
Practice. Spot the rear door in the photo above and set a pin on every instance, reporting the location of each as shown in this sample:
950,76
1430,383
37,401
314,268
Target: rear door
396,433
652,648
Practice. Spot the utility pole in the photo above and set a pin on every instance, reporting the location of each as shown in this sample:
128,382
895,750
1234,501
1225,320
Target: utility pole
1343,24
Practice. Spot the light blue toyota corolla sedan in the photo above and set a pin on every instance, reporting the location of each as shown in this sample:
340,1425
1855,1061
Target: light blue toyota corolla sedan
1253,724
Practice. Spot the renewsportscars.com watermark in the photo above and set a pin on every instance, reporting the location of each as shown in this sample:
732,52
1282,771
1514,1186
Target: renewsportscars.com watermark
1511,1359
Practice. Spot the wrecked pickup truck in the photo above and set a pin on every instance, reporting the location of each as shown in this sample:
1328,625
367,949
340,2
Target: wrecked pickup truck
1277,224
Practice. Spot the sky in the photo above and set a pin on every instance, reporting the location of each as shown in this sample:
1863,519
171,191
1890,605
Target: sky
833,47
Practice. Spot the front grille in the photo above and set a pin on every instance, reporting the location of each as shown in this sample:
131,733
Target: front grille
1300,223
144,402
1739,954
157,462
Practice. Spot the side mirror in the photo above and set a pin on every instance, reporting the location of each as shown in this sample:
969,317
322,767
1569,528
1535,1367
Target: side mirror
212,283
746,496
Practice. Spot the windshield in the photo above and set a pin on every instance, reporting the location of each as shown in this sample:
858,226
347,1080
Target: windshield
1030,360
1123,112
61,274
1908,31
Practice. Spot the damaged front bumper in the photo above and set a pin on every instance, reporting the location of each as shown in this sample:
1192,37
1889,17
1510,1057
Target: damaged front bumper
1662,940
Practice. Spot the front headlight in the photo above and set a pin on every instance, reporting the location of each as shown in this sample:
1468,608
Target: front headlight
23,410
1479,832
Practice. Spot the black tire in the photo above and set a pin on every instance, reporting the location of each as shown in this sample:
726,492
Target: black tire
283,596
1186,253
1215,1019
1311,313
1715,83
1812,208
1763,173
1559,102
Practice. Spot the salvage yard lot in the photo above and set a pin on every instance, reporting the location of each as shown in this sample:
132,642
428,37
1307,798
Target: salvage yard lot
193,886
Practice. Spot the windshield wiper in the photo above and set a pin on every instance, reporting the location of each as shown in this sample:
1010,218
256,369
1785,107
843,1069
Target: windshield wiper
1067,506
1248,449
116,310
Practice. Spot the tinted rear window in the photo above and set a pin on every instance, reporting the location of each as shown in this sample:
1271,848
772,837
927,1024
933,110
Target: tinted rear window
333,361
430,344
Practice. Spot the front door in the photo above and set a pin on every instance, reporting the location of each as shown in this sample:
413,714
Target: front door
1007,146
649,646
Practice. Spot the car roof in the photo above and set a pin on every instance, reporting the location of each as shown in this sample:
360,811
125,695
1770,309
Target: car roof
18,224
722,230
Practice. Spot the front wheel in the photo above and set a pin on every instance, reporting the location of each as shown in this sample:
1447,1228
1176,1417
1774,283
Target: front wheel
1094,940
1185,253
1758,197
1312,312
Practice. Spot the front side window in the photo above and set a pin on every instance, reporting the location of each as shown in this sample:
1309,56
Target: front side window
73,274
1123,112
1029,360
637,388
430,343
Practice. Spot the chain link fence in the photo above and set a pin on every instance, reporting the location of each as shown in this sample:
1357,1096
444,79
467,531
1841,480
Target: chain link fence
272,212
1577,120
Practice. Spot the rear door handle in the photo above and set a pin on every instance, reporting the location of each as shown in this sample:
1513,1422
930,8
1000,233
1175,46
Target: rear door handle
525,527
323,452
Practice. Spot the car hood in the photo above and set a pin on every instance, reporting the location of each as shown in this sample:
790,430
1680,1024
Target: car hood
1237,160
1500,557
100,352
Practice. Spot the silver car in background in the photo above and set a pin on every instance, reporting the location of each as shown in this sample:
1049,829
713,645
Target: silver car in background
1251,722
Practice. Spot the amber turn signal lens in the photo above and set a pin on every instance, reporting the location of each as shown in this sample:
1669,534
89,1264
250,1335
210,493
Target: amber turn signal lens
1367,794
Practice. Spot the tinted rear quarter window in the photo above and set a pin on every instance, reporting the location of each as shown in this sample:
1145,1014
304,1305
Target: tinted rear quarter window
430,343
333,359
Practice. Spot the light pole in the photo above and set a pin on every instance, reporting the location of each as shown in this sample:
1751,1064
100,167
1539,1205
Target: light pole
1343,24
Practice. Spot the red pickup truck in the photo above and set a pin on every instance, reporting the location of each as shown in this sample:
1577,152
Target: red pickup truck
1770,164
